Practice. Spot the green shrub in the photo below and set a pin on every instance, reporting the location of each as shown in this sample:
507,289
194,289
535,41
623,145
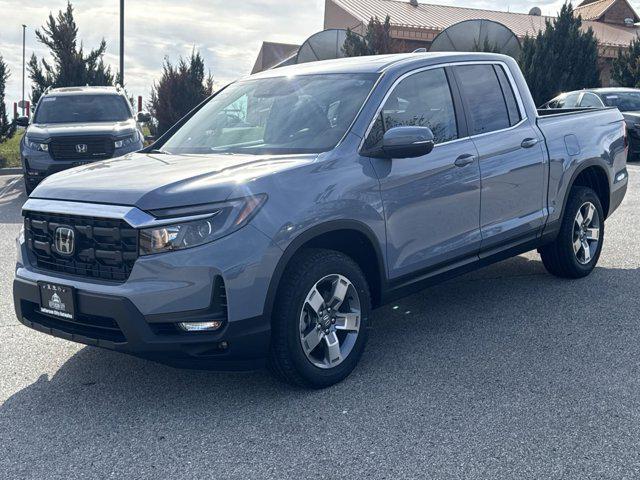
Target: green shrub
10,151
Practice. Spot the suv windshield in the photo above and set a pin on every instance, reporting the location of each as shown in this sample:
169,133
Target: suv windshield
625,101
82,109
283,115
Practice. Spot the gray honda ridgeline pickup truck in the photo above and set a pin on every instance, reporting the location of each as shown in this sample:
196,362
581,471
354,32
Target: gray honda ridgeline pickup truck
269,222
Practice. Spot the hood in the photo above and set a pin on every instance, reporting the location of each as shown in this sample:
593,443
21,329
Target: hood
156,181
42,131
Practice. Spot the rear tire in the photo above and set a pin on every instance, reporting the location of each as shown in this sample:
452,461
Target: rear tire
317,340
576,250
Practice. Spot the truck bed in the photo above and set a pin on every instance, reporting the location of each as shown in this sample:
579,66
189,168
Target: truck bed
579,136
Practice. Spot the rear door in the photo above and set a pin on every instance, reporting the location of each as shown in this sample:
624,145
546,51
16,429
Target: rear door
431,203
512,160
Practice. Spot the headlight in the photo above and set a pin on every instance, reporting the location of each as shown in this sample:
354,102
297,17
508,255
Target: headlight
37,146
222,219
126,141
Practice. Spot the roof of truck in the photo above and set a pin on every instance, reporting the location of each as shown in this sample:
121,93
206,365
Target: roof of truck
374,63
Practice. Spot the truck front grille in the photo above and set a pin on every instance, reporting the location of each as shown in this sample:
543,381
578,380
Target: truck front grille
103,248
82,148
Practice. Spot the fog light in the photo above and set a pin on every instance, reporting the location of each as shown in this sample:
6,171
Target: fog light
200,326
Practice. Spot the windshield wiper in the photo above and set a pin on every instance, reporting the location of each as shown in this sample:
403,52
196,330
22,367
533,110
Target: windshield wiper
157,150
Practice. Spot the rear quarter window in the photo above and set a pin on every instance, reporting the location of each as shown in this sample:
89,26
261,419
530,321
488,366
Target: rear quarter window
590,100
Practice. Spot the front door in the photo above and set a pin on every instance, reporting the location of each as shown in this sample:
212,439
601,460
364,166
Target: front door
431,203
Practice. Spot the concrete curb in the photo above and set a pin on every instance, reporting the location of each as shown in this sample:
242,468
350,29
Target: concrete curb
10,171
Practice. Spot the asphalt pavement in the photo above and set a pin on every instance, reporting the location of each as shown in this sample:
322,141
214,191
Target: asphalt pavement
504,373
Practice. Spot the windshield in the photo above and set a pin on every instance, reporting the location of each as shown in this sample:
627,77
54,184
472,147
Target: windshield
82,109
283,115
625,101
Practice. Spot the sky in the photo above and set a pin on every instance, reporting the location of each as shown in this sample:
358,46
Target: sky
228,33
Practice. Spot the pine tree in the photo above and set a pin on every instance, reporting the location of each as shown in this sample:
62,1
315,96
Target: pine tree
626,68
376,40
563,57
179,90
70,67
5,125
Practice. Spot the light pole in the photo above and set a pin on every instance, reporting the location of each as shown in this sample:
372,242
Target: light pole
122,43
24,35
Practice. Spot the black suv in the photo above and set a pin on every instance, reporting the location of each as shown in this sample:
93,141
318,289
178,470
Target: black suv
77,125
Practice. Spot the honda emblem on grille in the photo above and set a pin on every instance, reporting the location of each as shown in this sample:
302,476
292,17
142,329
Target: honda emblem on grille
81,148
64,240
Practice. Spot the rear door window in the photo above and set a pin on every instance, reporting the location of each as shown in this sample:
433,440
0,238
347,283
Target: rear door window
484,100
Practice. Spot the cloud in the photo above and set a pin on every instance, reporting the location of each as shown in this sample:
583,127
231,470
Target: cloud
227,33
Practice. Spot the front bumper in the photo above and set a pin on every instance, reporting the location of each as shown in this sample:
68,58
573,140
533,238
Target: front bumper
135,316
115,323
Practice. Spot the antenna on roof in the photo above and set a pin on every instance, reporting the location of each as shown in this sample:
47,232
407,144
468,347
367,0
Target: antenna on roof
414,3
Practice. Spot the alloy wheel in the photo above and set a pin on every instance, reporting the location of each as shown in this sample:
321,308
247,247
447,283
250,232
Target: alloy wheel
330,321
586,233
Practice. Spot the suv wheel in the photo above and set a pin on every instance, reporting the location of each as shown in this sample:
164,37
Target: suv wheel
320,319
576,250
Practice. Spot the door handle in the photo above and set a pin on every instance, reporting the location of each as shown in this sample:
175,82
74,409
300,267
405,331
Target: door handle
529,142
464,160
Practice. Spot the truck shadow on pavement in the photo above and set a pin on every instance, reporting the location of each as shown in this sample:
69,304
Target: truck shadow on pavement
509,343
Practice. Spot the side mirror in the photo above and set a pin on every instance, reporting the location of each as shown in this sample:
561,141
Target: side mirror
22,121
405,142
143,117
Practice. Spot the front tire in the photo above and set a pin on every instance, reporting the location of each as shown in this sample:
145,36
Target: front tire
320,319
576,250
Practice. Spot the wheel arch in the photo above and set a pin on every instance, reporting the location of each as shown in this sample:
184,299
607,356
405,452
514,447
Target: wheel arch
336,235
592,174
